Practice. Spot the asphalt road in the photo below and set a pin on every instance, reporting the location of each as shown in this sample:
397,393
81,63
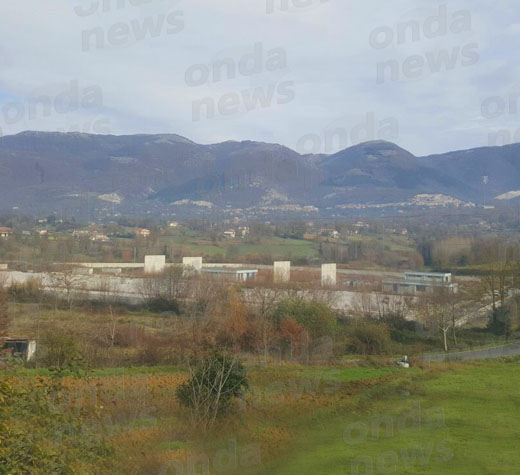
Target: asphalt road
487,353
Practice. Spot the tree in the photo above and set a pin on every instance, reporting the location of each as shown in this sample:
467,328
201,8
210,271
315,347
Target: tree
263,301
234,325
501,321
69,282
440,313
292,331
164,291
215,381
502,269
4,314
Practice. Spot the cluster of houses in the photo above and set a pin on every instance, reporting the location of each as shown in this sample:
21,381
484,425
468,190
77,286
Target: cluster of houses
243,231
99,236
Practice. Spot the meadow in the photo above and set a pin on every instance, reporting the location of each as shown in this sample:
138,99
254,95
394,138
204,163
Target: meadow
367,418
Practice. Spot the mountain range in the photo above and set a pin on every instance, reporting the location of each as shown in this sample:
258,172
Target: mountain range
77,173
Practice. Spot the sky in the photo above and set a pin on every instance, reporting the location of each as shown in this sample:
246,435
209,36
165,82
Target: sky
314,75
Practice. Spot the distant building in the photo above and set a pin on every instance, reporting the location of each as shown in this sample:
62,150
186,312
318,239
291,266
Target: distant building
230,273
99,237
420,282
5,232
173,224
244,231
230,234
330,233
143,232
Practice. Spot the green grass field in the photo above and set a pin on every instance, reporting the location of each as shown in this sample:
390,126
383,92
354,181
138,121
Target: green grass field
461,418
462,421
274,246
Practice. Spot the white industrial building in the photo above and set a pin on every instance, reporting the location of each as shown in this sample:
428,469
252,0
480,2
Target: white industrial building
420,282
231,273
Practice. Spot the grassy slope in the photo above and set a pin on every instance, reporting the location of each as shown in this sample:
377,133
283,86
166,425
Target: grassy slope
297,416
480,433
270,245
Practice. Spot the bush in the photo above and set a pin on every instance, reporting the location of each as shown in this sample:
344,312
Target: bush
162,304
500,322
317,318
369,339
40,433
216,380
60,351
29,291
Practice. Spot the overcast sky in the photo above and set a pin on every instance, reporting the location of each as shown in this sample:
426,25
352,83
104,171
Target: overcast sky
314,75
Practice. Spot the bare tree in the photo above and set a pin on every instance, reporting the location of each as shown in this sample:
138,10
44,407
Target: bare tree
69,282
108,290
169,285
363,304
112,327
4,313
443,312
262,302
502,270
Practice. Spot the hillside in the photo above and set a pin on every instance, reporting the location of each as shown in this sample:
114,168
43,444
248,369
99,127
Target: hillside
70,172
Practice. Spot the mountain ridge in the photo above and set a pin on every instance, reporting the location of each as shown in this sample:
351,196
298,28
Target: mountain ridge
43,171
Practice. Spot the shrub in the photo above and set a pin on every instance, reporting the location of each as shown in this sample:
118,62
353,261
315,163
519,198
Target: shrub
40,434
215,381
317,318
369,339
60,351
29,291
500,322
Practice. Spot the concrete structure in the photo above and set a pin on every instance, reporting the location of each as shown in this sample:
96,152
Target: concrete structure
4,266
226,266
192,263
21,347
154,264
109,265
112,270
328,275
282,271
420,282
84,271
231,273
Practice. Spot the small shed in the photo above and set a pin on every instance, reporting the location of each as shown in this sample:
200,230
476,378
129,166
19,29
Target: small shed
21,347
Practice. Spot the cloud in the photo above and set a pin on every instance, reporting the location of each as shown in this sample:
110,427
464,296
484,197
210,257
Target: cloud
138,52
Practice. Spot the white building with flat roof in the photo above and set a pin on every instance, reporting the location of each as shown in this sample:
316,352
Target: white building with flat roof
420,282
239,274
